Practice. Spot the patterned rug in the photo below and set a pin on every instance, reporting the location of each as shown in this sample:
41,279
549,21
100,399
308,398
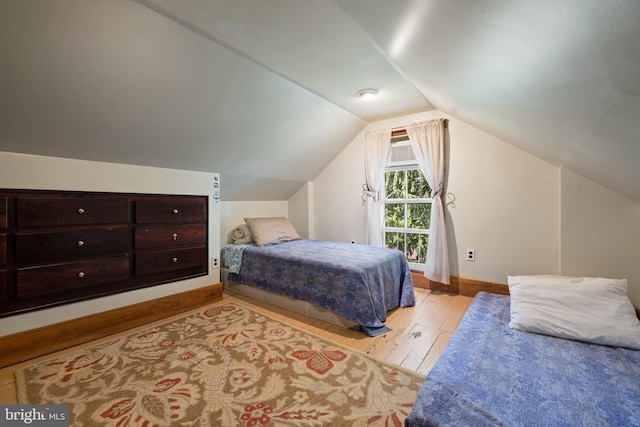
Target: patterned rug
224,366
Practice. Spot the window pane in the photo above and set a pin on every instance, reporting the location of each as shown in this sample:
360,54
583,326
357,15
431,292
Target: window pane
395,184
394,215
394,241
419,215
417,247
418,187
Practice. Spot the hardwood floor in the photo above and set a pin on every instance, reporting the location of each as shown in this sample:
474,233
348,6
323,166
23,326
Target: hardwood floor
418,337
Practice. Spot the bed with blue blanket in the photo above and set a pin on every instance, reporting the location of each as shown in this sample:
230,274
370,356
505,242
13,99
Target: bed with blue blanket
360,283
494,375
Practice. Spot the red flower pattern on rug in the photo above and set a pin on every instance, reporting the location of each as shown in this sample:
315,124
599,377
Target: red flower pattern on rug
320,361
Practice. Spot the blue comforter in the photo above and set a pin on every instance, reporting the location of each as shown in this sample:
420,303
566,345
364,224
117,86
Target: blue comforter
358,282
491,375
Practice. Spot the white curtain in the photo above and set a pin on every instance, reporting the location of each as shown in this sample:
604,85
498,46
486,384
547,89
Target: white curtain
376,148
427,141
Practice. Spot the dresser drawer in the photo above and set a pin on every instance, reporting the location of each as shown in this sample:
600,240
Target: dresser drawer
51,279
3,285
168,236
37,212
177,210
3,249
59,245
169,260
3,212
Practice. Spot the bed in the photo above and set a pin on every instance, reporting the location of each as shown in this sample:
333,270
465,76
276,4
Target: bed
492,374
359,283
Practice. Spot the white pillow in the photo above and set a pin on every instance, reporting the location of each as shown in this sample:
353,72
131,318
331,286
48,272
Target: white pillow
270,231
537,278
595,310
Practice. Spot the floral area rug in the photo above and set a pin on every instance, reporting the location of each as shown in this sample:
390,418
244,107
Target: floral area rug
224,366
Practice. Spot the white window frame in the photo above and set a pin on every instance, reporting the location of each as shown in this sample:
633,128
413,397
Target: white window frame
398,166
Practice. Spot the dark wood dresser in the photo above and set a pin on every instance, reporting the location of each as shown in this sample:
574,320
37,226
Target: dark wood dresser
3,249
59,247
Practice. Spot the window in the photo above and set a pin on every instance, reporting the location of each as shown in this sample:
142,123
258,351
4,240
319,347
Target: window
407,205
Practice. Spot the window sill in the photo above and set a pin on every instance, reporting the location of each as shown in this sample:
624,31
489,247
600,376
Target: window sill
416,267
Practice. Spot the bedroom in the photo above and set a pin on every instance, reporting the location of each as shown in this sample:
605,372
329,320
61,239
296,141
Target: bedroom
562,202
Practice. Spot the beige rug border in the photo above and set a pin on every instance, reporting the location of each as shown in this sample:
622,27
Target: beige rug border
21,385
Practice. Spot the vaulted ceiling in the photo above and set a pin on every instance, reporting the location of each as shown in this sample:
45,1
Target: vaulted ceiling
264,92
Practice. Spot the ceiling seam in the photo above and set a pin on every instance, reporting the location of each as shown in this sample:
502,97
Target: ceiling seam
382,52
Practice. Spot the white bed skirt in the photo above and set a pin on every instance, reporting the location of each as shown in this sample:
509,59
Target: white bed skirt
297,306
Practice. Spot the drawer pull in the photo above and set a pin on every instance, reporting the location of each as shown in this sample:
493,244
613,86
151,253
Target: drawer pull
80,211
174,259
80,243
81,274
174,236
175,211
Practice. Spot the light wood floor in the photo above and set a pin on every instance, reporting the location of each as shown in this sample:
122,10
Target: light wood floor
418,337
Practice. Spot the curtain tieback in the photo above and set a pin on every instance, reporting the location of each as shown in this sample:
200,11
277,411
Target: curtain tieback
367,193
439,192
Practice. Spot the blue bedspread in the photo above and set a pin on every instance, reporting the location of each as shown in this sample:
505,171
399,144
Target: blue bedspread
491,375
358,282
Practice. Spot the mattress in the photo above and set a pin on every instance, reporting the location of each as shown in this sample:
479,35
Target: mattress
492,375
358,282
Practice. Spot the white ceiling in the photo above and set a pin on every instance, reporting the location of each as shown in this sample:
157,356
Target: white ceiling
264,92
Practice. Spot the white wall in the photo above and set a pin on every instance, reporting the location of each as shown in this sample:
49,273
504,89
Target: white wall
21,171
233,214
297,209
339,214
300,210
501,201
600,232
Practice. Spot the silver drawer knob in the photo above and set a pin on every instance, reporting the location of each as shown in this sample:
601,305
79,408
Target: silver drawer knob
80,211
174,259
80,243
81,274
174,236
175,211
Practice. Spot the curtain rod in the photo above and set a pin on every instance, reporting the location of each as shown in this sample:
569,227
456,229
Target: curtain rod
402,130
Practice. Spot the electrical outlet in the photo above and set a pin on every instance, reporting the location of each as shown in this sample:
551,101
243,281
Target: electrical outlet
214,262
471,254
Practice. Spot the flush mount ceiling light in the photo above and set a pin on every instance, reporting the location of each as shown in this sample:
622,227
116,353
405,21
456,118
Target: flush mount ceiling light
367,93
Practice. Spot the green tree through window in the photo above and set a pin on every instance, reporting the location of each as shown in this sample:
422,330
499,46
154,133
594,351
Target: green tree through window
407,212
